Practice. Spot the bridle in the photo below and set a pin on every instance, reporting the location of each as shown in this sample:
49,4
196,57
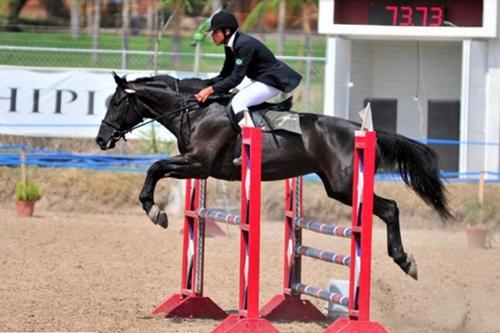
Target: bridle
182,110
117,132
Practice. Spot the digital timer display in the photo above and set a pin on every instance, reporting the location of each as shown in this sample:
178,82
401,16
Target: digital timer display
407,15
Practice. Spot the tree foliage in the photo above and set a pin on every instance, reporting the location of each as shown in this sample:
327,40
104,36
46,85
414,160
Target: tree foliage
294,6
184,6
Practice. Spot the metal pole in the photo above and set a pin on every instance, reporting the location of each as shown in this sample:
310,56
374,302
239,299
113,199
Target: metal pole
22,165
307,97
197,57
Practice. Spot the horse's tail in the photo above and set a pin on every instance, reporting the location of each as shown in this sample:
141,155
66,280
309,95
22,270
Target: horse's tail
418,166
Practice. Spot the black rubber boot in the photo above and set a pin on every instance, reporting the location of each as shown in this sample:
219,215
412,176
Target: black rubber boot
237,150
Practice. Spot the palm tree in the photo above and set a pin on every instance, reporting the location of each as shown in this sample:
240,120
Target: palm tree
178,8
151,23
75,19
281,27
279,6
150,11
89,16
257,14
135,18
55,8
216,5
14,8
125,33
96,27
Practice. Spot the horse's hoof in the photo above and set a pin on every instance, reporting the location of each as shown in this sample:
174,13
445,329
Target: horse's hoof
158,216
162,220
237,161
412,268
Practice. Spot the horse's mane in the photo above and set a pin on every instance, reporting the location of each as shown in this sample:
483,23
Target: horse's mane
187,86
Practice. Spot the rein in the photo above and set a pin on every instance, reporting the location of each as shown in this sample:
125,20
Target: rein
184,114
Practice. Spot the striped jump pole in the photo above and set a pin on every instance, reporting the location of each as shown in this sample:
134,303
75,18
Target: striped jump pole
361,242
289,305
190,302
247,319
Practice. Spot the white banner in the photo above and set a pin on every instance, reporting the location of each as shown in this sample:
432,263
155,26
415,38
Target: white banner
59,102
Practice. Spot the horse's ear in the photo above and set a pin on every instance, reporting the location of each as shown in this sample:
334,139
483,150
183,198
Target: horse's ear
120,81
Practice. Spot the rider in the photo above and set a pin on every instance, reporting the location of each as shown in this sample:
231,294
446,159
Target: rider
246,56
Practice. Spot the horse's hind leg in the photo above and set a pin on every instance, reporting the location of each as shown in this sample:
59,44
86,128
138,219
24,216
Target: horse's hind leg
385,209
388,211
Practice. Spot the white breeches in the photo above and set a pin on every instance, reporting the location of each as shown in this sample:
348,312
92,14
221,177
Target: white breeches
252,94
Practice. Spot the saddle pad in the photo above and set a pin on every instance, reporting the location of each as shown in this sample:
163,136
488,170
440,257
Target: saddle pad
280,120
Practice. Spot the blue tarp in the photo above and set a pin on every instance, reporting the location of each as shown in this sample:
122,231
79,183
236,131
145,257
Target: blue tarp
9,156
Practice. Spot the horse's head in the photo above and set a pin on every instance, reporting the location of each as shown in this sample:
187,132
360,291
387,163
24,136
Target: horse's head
121,116
147,97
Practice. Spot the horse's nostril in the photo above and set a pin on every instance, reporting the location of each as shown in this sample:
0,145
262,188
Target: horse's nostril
100,141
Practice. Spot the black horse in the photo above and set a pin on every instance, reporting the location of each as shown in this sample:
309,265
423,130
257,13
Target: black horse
206,141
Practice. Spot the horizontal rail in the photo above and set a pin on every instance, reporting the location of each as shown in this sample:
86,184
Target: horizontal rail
219,216
323,255
322,228
320,293
138,52
57,159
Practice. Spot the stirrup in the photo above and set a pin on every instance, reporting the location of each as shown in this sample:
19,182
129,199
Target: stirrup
247,120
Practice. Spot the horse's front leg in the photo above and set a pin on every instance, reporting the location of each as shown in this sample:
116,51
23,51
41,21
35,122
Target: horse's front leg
179,167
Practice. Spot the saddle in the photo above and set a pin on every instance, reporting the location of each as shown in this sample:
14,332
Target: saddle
268,116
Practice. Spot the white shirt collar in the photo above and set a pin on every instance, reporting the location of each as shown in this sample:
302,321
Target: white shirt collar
230,43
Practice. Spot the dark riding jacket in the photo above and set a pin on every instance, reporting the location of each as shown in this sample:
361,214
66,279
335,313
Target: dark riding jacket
252,58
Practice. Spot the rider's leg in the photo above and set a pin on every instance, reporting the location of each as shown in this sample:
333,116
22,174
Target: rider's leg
253,94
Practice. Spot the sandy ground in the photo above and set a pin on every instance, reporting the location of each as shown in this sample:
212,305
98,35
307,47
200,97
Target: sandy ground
105,273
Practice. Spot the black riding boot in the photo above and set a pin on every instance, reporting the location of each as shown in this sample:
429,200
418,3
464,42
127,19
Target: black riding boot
237,161
241,123
237,117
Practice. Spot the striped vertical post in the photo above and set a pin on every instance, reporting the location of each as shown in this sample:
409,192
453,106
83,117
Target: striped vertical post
247,319
361,242
289,305
190,302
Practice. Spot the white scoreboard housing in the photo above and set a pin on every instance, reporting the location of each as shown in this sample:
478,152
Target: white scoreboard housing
444,49
350,25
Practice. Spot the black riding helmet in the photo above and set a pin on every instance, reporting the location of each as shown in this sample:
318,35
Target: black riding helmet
223,20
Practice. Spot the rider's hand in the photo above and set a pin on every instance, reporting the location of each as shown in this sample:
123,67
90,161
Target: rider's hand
204,94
